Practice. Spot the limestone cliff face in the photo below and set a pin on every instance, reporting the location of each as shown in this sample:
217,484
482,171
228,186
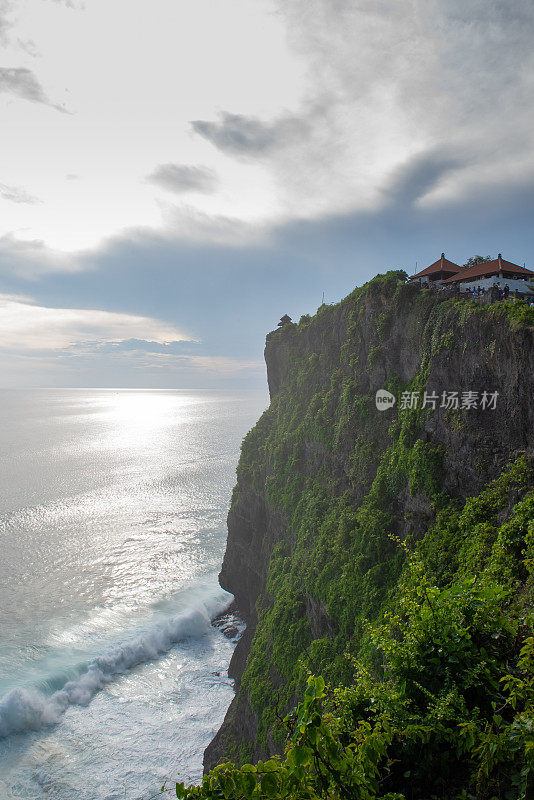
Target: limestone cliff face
324,433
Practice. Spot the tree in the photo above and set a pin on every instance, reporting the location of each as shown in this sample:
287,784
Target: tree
476,260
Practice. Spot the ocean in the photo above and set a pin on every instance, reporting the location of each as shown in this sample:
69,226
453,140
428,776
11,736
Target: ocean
113,511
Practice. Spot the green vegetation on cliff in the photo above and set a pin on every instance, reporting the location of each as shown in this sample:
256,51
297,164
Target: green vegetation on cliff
409,592
449,713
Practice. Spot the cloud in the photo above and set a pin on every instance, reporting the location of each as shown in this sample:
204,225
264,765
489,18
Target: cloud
25,326
413,180
71,4
16,195
181,347
172,355
41,345
230,296
216,366
249,137
424,103
222,365
22,82
29,258
185,223
29,46
135,368
5,24
181,178
391,87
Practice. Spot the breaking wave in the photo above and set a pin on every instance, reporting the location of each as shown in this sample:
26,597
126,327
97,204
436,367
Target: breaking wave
29,709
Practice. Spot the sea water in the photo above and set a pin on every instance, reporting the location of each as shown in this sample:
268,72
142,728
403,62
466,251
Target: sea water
112,530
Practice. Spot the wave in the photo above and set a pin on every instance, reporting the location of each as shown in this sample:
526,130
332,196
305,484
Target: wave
28,709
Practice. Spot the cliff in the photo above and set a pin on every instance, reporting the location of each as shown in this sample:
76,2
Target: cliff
328,485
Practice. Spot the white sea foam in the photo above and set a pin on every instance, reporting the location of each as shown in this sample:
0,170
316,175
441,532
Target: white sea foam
28,709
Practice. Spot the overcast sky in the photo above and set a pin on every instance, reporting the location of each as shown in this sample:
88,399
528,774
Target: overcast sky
176,175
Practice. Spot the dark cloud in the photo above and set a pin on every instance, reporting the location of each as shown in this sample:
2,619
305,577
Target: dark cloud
250,137
394,79
16,195
421,174
181,178
22,82
229,296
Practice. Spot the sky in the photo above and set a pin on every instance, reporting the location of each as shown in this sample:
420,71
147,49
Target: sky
177,175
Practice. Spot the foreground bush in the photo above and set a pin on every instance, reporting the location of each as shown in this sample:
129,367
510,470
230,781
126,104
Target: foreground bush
444,712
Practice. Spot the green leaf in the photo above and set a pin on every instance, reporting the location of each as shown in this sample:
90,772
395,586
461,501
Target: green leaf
298,756
269,784
248,782
227,784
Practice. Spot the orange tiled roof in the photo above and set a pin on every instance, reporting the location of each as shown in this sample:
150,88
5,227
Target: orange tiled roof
441,265
488,268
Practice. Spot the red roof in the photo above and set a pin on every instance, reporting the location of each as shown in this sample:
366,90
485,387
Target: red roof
442,265
488,268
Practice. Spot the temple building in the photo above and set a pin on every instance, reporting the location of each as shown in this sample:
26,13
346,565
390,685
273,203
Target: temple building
484,275
497,271
437,272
